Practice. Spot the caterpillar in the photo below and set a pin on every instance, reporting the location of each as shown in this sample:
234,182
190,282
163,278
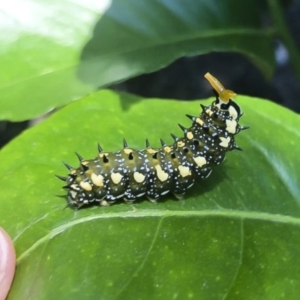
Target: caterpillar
152,173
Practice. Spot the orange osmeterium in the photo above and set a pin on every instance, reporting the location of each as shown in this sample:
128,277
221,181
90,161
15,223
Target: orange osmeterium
224,95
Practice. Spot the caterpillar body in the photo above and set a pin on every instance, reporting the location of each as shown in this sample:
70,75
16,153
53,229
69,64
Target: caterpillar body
152,173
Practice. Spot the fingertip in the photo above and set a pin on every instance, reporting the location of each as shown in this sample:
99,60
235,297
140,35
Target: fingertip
7,263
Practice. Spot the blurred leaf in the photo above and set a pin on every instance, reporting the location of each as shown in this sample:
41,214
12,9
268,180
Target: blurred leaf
41,41
236,235
47,60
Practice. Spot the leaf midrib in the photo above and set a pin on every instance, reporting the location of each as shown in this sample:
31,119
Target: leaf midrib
163,214
187,37
162,42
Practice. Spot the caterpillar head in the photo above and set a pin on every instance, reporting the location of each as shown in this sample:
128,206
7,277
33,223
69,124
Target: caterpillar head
224,101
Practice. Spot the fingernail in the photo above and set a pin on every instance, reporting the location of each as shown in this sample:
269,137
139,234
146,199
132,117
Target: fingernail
7,263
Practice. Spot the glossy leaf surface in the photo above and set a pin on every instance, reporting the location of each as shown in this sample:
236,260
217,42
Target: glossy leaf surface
235,236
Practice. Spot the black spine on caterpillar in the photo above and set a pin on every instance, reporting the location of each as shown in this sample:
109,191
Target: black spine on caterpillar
129,174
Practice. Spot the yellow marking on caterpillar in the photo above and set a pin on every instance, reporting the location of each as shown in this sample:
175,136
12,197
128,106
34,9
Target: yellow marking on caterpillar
151,151
127,151
224,142
167,149
199,121
189,135
199,160
139,177
97,179
184,171
116,177
161,174
85,185
180,144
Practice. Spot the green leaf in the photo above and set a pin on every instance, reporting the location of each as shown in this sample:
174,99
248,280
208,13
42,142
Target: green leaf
235,236
47,61
41,42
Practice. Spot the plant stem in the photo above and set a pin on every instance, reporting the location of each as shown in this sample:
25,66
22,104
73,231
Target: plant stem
284,33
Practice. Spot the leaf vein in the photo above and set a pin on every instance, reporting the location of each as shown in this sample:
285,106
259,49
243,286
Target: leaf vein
145,258
235,214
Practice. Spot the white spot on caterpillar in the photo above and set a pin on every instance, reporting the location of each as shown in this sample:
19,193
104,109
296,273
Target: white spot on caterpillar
140,195
75,187
164,193
189,135
224,141
190,185
232,111
231,126
208,174
199,160
139,177
116,177
184,171
161,174
97,179
85,185
73,194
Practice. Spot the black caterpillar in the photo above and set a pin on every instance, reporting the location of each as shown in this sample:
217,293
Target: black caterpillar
149,172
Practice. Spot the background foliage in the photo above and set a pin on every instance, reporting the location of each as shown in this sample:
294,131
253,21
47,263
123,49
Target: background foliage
58,66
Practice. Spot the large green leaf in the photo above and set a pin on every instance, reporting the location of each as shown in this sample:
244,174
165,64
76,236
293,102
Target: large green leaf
49,56
235,236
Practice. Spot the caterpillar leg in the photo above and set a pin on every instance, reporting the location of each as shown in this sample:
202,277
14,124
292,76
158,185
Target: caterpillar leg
152,200
179,196
103,202
128,201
